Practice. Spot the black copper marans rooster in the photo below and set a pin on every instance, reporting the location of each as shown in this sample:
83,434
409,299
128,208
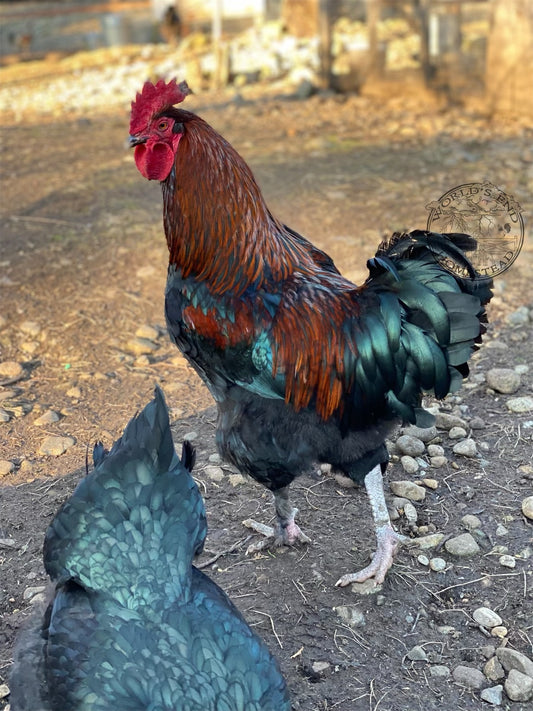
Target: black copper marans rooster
304,366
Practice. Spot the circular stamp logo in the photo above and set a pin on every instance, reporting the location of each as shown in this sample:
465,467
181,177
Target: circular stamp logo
486,213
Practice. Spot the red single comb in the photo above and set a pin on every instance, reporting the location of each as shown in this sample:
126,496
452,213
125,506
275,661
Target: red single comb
153,99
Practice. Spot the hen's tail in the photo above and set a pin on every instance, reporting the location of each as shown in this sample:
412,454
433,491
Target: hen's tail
136,521
442,313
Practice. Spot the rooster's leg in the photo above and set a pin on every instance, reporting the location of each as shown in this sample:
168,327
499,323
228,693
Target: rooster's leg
287,531
388,539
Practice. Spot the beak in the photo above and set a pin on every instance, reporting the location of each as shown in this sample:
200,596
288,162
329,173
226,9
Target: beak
136,140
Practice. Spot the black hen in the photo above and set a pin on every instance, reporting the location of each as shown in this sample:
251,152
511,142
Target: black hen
132,624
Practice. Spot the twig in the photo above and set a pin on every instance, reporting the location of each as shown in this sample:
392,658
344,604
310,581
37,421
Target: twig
271,624
210,561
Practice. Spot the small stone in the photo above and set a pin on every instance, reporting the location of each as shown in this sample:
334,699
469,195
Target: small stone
430,541
469,677
435,450
10,369
488,650
32,591
486,617
55,446
446,629
214,473
521,369
457,433
438,462
445,421
351,615
409,464
493,695
344,481
141,346
368,587
511,659
29,347
493,670
439,671
466,448
501,530
520,317
142,361
518,686
190,436
30,328
520,404
470,522
145,271
417,654
410,513
527,507
462,545
320,667
430,483
236,479
424,434
437,564
6,467
476,423
503,380
74,392
4,691
47,418
215,458
423,560
4,415
412,446
507,561
407,489
147,332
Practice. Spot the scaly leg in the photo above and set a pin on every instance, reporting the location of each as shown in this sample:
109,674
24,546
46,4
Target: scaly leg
388,539
287,531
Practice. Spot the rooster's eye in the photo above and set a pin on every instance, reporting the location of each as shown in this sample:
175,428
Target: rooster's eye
162,125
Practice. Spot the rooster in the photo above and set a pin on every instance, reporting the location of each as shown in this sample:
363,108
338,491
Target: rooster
304,366
132,624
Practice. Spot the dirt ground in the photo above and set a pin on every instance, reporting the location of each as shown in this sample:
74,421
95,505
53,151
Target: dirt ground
82,255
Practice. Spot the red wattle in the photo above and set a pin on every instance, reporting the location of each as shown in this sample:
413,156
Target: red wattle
154,160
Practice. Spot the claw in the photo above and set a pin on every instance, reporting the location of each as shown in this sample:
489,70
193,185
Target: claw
286,533
388,542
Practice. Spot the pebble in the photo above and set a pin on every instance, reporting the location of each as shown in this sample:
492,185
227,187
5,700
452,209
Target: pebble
32,591
470,522
410,445
499,631
501,530
507,561
493,695
410,465
30,328
423,559
215,458
457,433
445,421
10,369
438,462
148,332
29,347
462,545
424,434
47,418
521,369
430,483
527,507
189,436
520,317
408,490
236,479
493,670
56,446
214,473
486,617
74,392
368,587
319,667
6,467
437,564
430,541
4,691
466,448
512,659
518,686
503,380
435,450
476,423
439,671
141,346
351,615
417,654
520,404
410,513
344,481
469,676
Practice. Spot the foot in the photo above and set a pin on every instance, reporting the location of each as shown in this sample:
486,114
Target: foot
286,533
388,542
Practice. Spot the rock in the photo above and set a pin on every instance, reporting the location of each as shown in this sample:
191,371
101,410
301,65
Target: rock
215,458
368,587
424,434
4,415
493,670
430,541
407,489
435,450
422,559
462,546
507,561
320,667
30,328
486,617
351,615
469,677
6,467
409,464
501,530
10,369
412,446
344,481
520,404
4,691
74,392
55,446
518,686
148,332
511,659
410,513
190,436
470,522
214,473
527,507
457,433
438,462
417,654
141,346
521,369
430,483
499,631
439,671
32,591
476,423
466,448
437,564
503,380
47,418
520,317
236,479
445,421
493,695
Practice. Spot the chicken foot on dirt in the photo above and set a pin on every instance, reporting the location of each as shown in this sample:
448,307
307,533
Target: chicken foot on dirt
286,533
388,539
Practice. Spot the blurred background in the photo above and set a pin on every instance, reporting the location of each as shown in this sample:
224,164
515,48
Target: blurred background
476,50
